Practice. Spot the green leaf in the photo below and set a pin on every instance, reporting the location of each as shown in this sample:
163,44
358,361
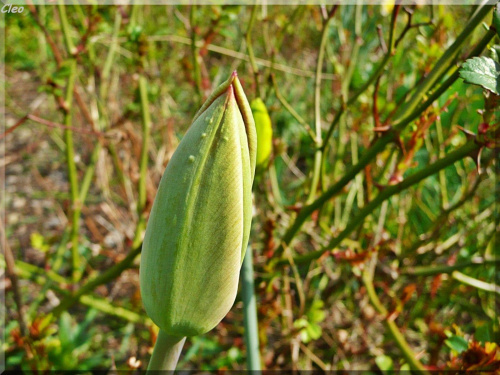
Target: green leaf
66,331
316,313
384,363
457,343
482,71
313,331
495,52
483,333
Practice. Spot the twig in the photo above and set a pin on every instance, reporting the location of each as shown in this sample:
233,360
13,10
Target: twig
12,274
443,64
251,56
437,270
72,174
318,154
105,277
410,25
290,109
478,284
368,83
143,166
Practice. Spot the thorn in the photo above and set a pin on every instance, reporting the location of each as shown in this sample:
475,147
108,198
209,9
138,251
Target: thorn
382,128
476,157
468,134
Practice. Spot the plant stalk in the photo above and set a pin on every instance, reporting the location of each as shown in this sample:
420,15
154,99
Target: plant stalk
388,192
318,155
143,166
166,352
251,55
250,313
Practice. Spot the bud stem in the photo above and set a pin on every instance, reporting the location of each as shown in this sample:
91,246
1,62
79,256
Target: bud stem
166,352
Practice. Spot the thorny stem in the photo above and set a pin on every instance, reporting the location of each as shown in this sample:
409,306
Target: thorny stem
388,137
401,124
443,64
305,213
438,224
388,192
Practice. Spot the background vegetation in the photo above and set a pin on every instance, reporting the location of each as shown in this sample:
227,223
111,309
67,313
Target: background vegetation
373,236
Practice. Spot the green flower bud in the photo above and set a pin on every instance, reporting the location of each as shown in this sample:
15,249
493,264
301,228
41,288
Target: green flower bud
264,132
200,221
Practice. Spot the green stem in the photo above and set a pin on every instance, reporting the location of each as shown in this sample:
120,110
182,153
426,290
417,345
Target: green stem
437,270
368,83
306,212
318,155
250,313
111,56
105,277
478,284
442,177
388,192
70,47
72,173
439,223
443,63
392,327
290,109
52,280
403,122
275,187
166,352
89,173
251,55
194,52
143,164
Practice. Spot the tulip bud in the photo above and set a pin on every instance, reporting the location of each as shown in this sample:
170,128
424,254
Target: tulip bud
200,221
264,132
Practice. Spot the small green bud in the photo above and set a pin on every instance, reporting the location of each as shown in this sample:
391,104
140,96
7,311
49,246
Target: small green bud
264,132
199,225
